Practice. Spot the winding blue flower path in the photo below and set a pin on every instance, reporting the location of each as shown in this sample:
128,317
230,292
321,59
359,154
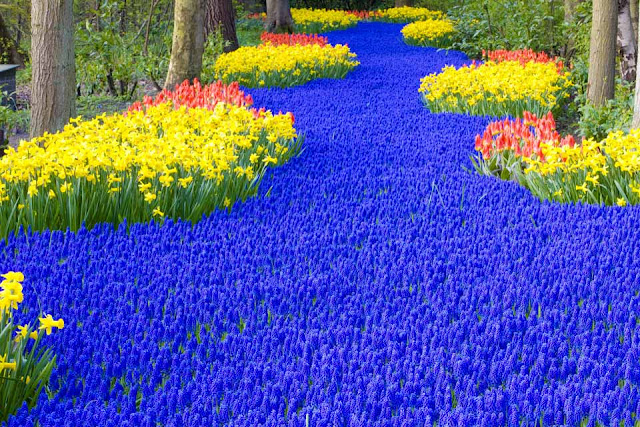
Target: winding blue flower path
375,281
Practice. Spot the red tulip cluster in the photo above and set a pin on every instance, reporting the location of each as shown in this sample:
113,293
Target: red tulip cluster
522,136
293,39
523,56
364,14
195,95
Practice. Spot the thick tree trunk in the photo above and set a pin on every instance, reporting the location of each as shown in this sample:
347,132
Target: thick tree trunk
627,45
53,80
220,14
279,18
8,46
602,52
188,42
400,3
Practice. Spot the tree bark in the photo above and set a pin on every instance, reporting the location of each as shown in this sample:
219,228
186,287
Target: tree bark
635,123
627,45
400,3
53,75
279,18
188,42
8,46
220,14
602,52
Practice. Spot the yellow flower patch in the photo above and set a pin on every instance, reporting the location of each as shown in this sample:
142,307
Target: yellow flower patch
409,14
165,162
432,32
496,89
284,65
321,20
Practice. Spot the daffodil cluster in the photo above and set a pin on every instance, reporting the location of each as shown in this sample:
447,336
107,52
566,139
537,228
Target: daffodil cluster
24,369
156,162
431,32
322,20
605,172
496,89
284,65
408,14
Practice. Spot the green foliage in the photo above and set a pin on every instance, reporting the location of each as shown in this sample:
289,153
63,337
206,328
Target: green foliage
515,24
107,59
25,368
213,48
33,370
616,114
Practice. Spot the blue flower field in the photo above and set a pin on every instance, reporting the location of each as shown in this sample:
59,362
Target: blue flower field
375,280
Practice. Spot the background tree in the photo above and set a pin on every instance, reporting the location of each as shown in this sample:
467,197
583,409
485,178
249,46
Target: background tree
188,42
400,3
221,15
279,18
627,44
53,66
602,52
8,46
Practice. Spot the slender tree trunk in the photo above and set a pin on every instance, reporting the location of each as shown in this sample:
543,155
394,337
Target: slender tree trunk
627,45
602,52
53,78
8,47
279,18
220,14
635,124
633,7
400,3
188,42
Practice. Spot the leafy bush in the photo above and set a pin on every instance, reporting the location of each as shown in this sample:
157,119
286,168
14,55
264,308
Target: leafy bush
514,24
616,114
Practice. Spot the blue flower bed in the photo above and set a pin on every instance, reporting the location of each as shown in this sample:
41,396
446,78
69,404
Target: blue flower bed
375,282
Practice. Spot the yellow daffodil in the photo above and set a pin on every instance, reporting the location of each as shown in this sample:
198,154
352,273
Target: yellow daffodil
157,212
47,323
6,365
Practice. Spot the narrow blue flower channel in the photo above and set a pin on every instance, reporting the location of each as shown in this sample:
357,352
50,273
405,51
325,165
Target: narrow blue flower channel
374,281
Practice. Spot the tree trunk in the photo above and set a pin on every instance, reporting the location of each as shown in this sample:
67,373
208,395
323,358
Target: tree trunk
627,45
53,77
400,3
220,14
633,7
635,124
602,52
279,18
8,46
188,43
569,10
